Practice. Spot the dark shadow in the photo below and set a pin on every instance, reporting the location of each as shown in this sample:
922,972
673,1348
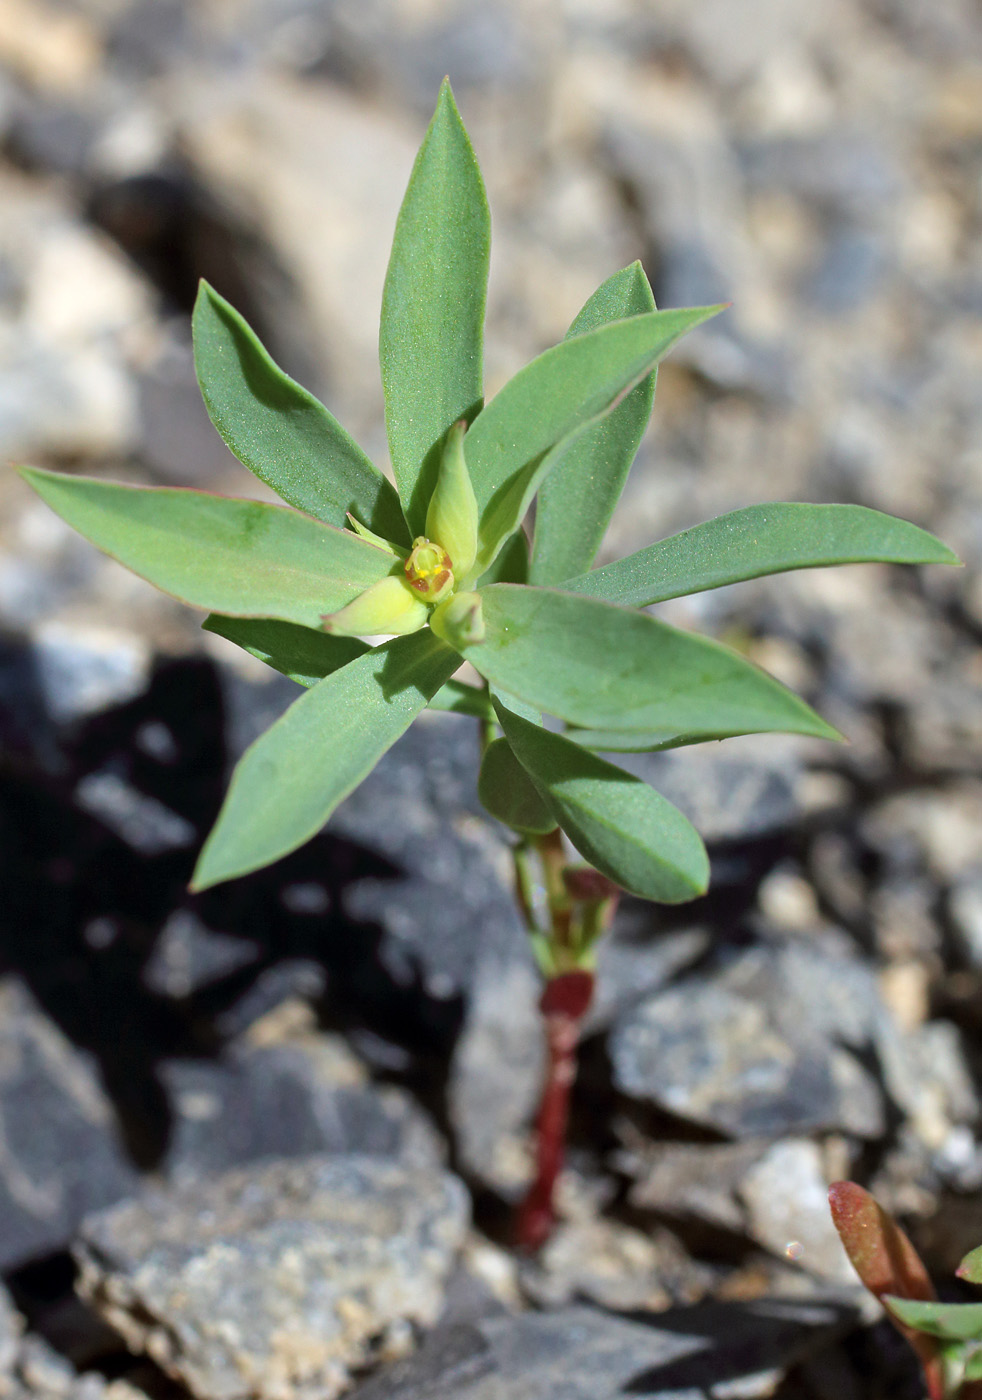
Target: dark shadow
85,895
741,1340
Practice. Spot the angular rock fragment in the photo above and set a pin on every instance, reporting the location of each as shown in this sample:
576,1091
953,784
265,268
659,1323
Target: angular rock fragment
756,1045
276,1281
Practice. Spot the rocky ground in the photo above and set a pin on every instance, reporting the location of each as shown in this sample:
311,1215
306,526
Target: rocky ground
263,1144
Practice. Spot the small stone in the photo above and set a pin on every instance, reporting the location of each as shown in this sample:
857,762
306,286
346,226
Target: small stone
288,1100
86,669
692,1181
187,955
144,823
280,1279
786,1196
926,1074
496,1073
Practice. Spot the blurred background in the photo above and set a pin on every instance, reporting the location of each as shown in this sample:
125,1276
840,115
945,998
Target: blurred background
817,165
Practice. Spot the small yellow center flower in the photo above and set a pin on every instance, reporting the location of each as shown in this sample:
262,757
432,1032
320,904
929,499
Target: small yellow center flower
440,561
429,570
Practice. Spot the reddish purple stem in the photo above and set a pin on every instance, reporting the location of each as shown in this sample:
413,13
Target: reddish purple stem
565,1001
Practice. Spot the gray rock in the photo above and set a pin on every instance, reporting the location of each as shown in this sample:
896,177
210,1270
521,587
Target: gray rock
847,171
636,959
726,798
143,822
706,1352
86,669
288,1100
62,1152
278,1279
849,272
496,1072
691,1181
748,1048
187,956
786,1197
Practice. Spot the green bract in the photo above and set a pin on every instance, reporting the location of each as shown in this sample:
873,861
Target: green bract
442,564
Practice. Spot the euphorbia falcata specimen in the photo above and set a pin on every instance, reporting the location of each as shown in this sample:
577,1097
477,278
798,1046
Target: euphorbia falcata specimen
441,563
947,1337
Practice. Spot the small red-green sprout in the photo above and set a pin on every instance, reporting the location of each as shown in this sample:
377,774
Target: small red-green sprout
947,1337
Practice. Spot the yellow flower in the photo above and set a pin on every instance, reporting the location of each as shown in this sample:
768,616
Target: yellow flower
440,562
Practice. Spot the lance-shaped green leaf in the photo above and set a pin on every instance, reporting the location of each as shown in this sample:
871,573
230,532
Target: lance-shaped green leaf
505,512
970,1269
760,540
509,794
290,780
635,740
606,667
563,389
952,1322
244,558
578,497
432,329
625,828
307,657
280,431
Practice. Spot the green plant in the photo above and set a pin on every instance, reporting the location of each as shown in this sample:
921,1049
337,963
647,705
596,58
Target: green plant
947,1337
442,562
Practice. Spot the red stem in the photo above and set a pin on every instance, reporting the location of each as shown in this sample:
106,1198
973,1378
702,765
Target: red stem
565,1001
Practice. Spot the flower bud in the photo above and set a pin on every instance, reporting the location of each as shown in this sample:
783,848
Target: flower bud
460,621
429,572
452,515
389,606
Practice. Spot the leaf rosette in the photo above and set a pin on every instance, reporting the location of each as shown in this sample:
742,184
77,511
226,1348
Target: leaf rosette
440,563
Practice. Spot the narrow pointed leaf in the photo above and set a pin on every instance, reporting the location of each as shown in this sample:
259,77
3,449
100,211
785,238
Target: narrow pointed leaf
952,1322
635,740
509,505
290,780
307,657
303,654
756,541
563,389
431,336
605,667
285,436
509,794
632,834
578,498
243,558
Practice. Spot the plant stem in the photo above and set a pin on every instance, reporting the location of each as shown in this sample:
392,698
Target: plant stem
564,1002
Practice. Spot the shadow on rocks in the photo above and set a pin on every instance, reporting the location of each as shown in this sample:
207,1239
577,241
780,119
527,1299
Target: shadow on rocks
100,823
